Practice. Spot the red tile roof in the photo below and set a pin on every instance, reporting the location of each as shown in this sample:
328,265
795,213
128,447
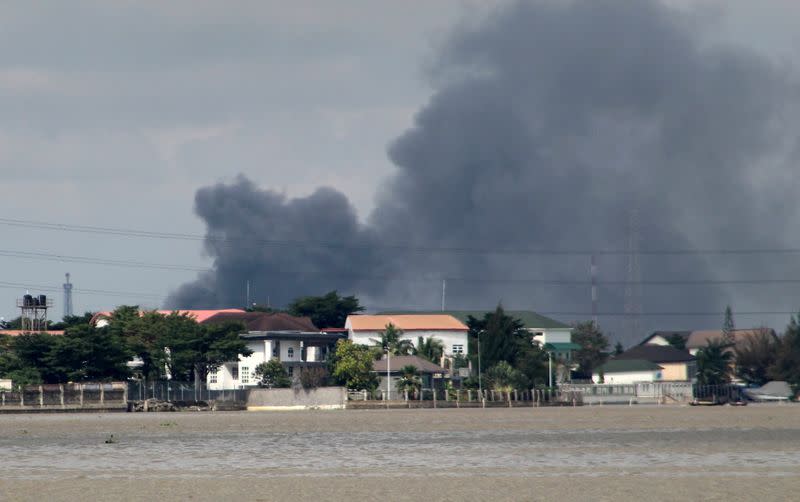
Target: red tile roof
420,322
198,315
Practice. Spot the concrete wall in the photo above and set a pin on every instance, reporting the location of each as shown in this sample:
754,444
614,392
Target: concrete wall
329,398
262,352
628,377
552,335
55,397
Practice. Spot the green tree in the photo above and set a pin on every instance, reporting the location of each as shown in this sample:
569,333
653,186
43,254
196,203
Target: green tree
14,368
504,377
594,345
351,365
391,340
175,343
327,311
15,323
83,353
272,374
499,336
409,379
430,348
787,359
713,363
142,333
728,327
756,355
86,353
504,338
32,355
677,341
618,348
72,321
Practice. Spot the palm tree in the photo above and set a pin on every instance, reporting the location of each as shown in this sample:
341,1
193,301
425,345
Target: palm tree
431,349
714,363
409,379
391,342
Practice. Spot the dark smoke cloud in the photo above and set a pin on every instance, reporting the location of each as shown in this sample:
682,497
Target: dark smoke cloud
551,121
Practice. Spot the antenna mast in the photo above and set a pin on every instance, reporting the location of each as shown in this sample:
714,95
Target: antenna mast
67,297
593,274
633,280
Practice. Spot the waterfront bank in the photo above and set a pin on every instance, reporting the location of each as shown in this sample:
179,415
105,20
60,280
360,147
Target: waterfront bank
446,454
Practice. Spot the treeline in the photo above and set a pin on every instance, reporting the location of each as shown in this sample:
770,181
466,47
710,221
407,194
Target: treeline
499,346
756,360
162,346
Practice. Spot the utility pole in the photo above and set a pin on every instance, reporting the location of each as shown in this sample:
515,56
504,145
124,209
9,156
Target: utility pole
480,385
388,372
593,274
444,292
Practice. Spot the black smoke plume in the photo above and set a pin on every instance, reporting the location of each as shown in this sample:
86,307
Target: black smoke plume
550,123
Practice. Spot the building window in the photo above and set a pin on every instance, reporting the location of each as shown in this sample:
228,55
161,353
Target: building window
235,372
458,349
212,377
245,374
290,370
290,352
275,351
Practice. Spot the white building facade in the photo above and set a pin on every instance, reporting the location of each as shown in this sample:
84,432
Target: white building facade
452,333
294,349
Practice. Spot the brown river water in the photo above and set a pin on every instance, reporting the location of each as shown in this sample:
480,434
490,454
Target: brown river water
586,453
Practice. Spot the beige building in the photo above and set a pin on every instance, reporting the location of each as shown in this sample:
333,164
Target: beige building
676,365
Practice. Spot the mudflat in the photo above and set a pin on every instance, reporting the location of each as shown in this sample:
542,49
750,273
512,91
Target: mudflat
584,453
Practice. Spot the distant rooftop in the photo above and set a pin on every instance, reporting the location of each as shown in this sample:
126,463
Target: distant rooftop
627,365
656,354
198,315
18,332
398,362
406,322
529,318
265,321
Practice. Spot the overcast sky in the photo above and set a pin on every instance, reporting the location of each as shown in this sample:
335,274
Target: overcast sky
115,113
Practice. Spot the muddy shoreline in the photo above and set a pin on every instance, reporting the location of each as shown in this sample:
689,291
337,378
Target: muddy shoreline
602,453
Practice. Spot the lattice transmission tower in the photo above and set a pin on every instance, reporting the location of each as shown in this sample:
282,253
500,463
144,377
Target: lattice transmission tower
633,280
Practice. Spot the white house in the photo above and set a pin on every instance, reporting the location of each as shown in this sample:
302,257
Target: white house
364,329
295,349
550,334
295,341
627,371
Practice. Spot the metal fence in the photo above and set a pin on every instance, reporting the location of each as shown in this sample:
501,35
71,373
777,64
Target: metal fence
523,397
666,392
170,390
719,393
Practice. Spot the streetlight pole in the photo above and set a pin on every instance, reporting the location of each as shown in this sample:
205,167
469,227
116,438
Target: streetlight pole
480,385
550,368
388,378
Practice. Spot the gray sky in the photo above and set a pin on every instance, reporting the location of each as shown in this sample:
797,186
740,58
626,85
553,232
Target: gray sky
114,114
